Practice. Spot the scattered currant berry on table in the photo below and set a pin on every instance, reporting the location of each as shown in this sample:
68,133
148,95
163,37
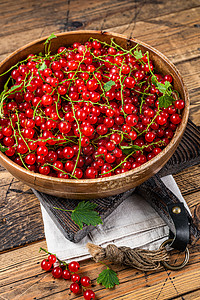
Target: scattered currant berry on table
52,258
66,274
46,265
74,266
85,281
57,272
75,277
89,295
75,288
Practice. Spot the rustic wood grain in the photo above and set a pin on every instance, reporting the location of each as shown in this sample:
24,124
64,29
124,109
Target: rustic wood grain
34,20
30,282
20,216
172,27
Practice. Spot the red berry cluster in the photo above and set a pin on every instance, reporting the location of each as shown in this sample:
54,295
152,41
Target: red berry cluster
68,271
89,111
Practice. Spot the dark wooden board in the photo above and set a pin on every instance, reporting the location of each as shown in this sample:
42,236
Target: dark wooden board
18,218
187,154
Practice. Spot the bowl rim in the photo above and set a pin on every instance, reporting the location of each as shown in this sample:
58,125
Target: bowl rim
181,127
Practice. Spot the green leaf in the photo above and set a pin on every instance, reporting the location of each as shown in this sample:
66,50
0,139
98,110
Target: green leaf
108,278
133,147
138,54
108,85
163,88
3,149
165,101
43,66
52,36
167,84
128,149
84,213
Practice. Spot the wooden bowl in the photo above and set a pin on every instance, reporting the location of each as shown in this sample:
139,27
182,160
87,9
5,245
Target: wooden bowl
101,187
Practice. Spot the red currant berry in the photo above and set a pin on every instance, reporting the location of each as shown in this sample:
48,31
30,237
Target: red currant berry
89,295
75,277
75,288
74,266
85,281
179,104
52,258
57,272
46,265
66,274
175,119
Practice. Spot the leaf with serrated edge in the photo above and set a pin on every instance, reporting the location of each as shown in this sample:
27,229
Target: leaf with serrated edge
108,278
108,85
165,101
3,149
84,213
167,84
138,54
161,87
43,66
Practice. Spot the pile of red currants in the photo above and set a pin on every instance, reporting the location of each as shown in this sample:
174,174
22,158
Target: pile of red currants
68,272
89,111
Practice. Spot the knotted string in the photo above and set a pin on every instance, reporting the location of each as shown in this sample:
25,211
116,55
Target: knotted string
141,259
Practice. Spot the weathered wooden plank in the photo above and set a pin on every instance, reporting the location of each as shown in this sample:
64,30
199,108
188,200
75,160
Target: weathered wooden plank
20,215
97,15
169,20
188,180
23,279
168,33
190,71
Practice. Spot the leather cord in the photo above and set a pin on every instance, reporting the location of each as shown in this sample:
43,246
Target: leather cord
170,208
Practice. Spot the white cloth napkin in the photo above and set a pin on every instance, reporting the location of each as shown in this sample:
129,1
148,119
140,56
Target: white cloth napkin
134,223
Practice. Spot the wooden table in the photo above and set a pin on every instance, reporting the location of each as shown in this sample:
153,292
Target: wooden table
173,27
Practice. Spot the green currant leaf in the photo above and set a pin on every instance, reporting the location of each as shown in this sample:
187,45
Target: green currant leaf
167,84
52,36
163,88
108,278
165,101
128,149
3,148
84,213
43,66
108,85
138,54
